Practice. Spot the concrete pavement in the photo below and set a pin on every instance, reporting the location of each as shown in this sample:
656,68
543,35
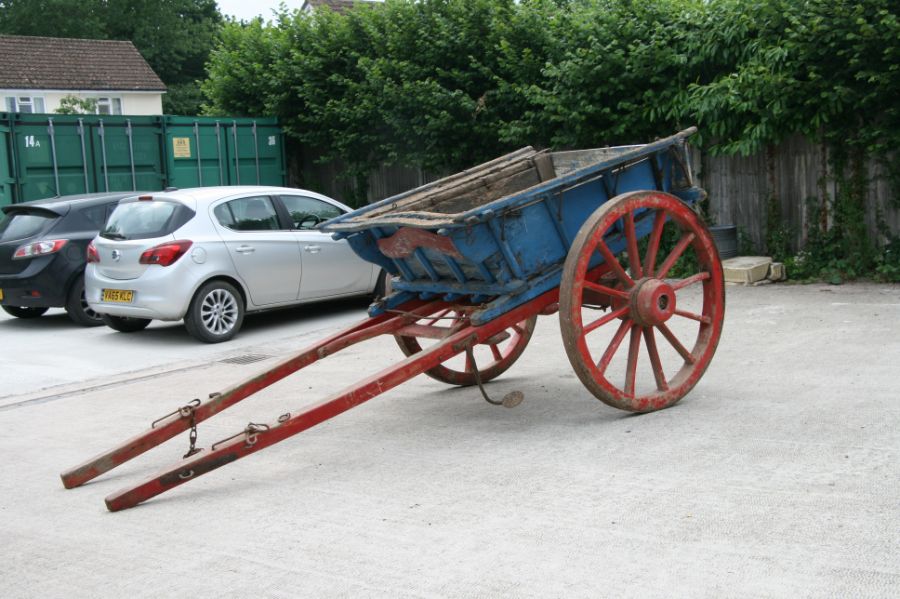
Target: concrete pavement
778,476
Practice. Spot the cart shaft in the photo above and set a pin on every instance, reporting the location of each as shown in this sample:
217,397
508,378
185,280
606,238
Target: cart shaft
182,419
258,436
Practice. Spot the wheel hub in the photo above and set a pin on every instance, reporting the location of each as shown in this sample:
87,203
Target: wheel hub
652,302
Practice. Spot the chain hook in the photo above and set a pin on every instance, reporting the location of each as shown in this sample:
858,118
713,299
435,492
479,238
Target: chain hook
186,411
510,400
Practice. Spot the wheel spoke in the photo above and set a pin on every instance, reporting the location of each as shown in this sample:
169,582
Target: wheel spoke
659,222
607,290
634,260
674,255
700,276
518,329
692,316
655,362
613,264
613,346
496,351
673,340
605,319
634,347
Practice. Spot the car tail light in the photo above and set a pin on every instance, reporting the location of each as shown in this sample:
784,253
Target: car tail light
92,255
39,248
166,253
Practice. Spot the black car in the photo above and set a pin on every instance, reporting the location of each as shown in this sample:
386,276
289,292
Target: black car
43,253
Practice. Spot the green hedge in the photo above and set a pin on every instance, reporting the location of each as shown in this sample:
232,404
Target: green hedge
445,84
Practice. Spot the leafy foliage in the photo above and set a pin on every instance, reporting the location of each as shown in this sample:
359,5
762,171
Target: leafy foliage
445,84
74,105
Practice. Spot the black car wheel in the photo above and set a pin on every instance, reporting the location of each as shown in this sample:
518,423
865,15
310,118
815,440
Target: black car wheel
216,313
77,307
23,312
125,324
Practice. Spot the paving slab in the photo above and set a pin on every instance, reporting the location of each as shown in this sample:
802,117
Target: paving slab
778,476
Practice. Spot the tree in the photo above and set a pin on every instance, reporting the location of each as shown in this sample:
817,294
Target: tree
54,18
74,105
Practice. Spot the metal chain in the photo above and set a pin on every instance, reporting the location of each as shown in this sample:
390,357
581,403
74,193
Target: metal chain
193,437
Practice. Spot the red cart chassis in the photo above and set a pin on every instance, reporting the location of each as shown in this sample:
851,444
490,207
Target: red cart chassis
454,340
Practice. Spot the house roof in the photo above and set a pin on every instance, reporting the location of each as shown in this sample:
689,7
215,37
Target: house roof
340,6
74,64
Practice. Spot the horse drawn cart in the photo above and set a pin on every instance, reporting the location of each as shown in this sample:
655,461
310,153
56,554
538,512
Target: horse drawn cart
608,238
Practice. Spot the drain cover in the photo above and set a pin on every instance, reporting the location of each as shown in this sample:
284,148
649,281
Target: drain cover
245,359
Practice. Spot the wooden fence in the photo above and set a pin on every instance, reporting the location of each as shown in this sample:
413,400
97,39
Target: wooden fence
788,178
741,189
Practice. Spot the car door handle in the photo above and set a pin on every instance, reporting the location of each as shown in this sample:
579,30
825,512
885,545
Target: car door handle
245,249
312,249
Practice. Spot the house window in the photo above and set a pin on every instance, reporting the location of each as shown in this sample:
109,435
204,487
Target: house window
106,105
30,104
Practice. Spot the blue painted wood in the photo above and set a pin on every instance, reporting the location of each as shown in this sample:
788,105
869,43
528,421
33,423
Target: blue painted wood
512,249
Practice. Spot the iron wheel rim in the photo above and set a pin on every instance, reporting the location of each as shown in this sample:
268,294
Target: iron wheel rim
219,312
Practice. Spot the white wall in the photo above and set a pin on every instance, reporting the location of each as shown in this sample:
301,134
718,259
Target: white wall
148,104
143,103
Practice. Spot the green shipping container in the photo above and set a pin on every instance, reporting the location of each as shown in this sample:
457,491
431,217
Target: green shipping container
221,151
45,155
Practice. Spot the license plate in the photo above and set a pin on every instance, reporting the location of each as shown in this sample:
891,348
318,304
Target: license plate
1,295
118,296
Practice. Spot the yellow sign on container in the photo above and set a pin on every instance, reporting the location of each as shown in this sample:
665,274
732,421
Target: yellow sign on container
181,147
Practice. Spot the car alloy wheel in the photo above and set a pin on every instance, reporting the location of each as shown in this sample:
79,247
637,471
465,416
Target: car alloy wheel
216,313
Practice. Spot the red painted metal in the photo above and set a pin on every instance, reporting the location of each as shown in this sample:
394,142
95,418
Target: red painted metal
182,419
641,302
256,437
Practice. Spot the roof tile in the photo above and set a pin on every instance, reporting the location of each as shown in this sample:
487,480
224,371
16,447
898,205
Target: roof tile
74,64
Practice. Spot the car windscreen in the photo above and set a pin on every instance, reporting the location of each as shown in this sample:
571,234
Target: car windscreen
145,219
22,224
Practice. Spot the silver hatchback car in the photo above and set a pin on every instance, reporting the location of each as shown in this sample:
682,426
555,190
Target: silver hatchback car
209,255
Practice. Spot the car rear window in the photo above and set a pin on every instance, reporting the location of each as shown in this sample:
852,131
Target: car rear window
144,219
23,224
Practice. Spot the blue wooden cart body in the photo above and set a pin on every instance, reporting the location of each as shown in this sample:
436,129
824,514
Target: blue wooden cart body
503,252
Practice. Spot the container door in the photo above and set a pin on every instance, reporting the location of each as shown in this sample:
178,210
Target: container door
195,152
270,142
53,156
7,180
255,153
127,154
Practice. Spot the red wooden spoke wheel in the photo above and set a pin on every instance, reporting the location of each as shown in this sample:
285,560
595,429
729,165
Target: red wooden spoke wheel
492,358
679,320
